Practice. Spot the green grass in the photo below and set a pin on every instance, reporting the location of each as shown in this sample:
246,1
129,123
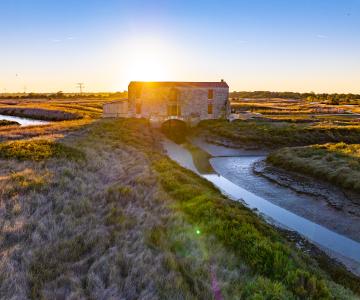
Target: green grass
337,163
38,149
277,134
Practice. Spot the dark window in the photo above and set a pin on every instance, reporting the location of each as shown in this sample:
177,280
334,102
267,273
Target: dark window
210,94
138,108
210,108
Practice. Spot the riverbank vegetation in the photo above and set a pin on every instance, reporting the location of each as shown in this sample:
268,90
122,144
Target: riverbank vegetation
8,123
103,213
276,134
337,163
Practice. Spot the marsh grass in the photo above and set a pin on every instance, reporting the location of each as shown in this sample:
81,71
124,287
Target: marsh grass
130,223
38,113
275,135
38,149
337,163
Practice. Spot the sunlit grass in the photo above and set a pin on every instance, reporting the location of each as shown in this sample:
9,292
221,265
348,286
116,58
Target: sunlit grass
37,149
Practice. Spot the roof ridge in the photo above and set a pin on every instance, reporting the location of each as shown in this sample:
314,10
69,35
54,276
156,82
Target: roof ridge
183,83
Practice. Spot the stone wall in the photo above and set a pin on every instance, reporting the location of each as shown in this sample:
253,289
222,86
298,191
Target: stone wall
115,109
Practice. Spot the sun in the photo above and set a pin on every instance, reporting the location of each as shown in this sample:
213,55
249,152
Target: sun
148,67
149,60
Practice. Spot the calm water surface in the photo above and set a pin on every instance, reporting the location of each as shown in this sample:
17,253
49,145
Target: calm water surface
23,121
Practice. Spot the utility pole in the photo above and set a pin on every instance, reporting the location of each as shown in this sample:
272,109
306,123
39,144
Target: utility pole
80,86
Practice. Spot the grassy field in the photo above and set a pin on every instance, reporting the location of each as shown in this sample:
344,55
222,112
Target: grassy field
94,209
277,134
338,163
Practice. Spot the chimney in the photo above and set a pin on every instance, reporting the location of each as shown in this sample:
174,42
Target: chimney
222,80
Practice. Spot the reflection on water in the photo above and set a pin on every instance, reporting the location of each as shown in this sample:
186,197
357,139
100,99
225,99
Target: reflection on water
23,121
340,246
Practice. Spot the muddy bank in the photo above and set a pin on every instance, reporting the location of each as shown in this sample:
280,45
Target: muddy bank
335,197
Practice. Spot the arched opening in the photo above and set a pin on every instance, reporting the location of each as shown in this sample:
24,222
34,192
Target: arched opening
175,129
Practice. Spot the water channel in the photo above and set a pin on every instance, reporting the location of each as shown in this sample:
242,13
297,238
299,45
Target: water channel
332,230
23,121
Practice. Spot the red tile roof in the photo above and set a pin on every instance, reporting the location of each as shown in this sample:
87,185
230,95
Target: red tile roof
221,84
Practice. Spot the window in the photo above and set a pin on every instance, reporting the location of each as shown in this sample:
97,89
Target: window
138,108
138,92
210,94
210,108
174,110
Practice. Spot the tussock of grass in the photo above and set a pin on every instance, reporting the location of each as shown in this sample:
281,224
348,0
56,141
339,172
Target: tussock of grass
37,150
337,163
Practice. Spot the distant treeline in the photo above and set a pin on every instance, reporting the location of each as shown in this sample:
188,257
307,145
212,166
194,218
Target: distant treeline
61,95
327,98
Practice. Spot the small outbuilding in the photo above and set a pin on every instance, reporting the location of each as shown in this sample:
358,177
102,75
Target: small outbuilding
116,109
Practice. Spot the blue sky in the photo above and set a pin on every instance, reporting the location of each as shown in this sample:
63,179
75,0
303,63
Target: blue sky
254,45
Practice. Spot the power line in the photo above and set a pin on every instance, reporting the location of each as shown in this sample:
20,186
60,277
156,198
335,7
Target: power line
81,86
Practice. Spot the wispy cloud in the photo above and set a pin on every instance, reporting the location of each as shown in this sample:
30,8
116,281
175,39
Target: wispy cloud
242,41
321,36
55,40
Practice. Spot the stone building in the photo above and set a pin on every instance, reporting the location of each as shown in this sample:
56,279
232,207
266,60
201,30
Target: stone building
186,101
